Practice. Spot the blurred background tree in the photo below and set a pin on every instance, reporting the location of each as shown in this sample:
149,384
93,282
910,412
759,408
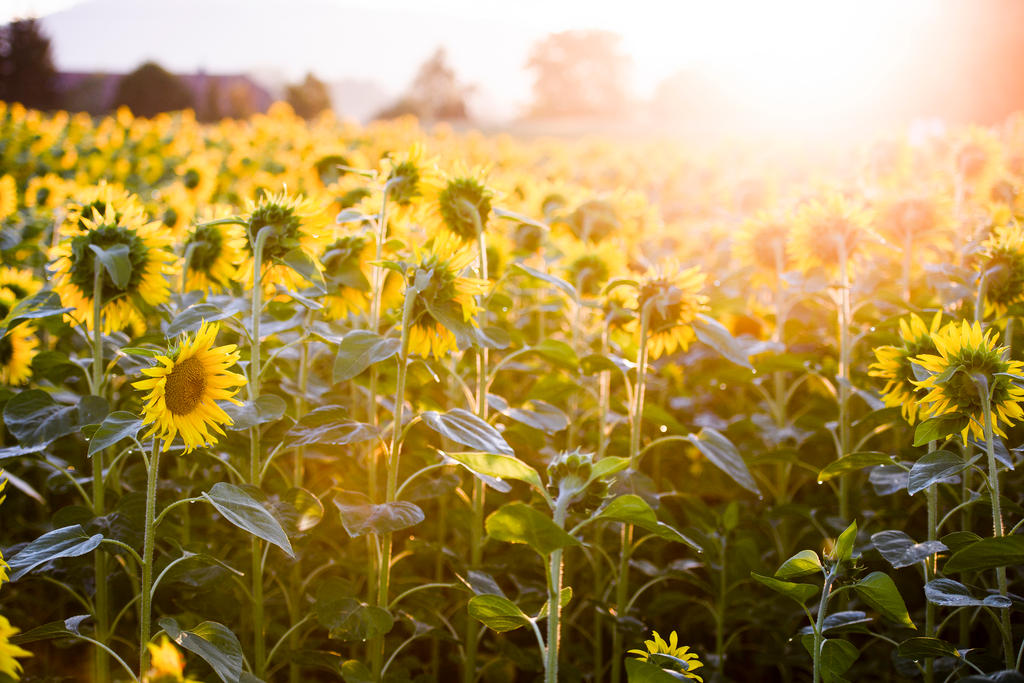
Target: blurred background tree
27,74
309,97
579,73
151,89
435,93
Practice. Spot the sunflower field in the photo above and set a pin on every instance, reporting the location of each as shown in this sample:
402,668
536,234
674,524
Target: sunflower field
307,401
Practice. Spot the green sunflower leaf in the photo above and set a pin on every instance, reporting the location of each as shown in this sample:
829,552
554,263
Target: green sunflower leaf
497,613
117,262
116,427
853,462
988,553
520,523
715,335
880,592
240,508
724,455
40,305
214,642
801,592
938,428
69,541
462,426
934,467
306,267
358,350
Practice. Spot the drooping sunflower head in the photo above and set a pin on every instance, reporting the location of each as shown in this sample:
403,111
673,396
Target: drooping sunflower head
460,203
8,196
77,266
965,355
669,655
447,297
761,244
346,269
829,231
671,298
1002,266
213,254
895,365
589,267
594,220
184,387
9,652
403,174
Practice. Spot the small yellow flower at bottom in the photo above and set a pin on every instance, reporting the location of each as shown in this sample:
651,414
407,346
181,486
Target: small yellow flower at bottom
8,651
166,665
668,655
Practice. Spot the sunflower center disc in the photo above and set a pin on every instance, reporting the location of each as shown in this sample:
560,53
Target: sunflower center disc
185,386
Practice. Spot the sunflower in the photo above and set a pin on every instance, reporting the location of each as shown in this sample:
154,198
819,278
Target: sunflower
448,293
964,351
184,388
904,219
668,655
594,220
9,651
295,223
8,196
3,565
978,159
214,252
589,267
166,665
404,174
827,229
895,365
761,244
74,264
19,345
672,297
461,203
346,269
46,191
98,199
1002,262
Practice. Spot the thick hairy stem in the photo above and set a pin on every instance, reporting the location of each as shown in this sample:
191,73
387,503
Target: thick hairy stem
997,525
930,567
844,379
255,454
554,598
101,612
146,594
819,626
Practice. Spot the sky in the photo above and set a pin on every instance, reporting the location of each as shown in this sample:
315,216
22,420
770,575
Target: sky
779,56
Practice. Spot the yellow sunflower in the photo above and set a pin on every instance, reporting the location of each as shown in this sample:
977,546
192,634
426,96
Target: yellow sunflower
406,175
9,651
184,389
46,191
166,665
347,272
19,345
296,223
214,253
672,296
1002,262
8,196
761,244
965,350
449,292
895,365
75,263
3,565
669,655
98,199
978,159
460,202
827,229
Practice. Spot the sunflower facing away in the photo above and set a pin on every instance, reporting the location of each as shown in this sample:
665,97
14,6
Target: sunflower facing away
346,269
296,223
964,350
461,203
668,655
827,229
184,389
894,364
448,292
1003,265
761,243
674,300
214,252
74,264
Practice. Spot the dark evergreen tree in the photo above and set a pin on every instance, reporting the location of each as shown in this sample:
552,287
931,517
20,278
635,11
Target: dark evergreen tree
27,74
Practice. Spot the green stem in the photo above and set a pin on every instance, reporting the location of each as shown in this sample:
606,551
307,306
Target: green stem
819,626
932,494
554,597
720,609
997,523
101,601
626,537
844,378
146,594
384,569
298,472
259,645
476,530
